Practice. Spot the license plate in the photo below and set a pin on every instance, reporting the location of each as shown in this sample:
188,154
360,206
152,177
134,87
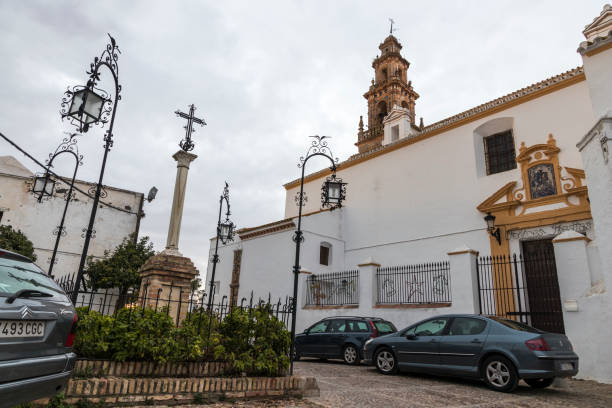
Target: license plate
18,328
567,366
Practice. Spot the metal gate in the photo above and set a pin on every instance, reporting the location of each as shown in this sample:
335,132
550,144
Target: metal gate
522,287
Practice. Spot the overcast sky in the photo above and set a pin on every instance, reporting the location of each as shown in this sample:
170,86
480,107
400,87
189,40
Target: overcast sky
264,75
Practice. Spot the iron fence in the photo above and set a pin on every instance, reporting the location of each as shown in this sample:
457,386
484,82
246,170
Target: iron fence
176,302
333,289
524,289
427,283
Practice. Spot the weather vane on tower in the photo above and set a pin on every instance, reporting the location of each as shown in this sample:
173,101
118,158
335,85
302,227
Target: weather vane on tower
391,29
187,144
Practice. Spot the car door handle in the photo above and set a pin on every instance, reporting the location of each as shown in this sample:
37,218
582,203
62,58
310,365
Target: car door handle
476,341
433,341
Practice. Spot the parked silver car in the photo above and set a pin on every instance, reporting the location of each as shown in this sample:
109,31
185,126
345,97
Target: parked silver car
497,350
37,327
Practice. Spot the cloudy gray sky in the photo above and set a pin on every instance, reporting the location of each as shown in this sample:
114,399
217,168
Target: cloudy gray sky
264,75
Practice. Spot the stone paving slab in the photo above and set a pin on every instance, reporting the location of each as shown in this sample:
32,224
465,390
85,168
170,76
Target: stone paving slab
360,386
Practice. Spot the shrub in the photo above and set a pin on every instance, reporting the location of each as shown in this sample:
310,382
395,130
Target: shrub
94,334
197,335
143,334
254,341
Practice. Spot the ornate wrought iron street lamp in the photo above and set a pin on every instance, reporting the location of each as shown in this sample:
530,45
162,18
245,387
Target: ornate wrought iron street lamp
225,234
44,186
333,192
495,232
83,106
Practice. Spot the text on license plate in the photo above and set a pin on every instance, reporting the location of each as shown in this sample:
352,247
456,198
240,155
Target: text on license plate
567,366
16,328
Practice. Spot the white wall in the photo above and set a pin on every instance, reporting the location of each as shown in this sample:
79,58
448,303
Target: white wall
38,221
587,307
267,260
405,205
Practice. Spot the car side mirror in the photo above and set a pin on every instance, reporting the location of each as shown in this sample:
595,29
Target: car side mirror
411,336
306,331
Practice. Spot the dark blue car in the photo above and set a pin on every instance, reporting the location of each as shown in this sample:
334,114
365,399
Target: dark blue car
340,337
496,350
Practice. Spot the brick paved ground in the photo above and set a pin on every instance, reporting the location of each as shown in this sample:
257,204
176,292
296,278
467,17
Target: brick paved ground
360,386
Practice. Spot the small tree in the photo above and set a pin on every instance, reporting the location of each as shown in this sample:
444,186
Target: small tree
196,283
16,241
119,268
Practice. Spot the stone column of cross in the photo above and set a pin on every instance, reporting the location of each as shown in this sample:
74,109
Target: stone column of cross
183,159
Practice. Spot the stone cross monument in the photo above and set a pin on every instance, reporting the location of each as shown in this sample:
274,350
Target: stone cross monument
167,276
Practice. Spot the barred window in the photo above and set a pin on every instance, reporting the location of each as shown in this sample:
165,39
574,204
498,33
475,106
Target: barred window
500,154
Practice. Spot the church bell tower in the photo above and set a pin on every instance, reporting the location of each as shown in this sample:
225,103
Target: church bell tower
390,88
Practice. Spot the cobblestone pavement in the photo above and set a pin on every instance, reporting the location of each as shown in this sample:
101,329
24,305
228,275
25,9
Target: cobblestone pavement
361,386
258,403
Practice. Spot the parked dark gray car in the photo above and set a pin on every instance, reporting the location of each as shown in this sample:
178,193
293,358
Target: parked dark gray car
37,325
496,350
340,337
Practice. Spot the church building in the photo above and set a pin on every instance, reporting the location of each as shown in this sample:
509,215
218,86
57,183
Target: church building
490,211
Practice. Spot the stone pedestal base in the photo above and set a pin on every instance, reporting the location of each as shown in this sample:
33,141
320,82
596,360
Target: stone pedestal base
166,282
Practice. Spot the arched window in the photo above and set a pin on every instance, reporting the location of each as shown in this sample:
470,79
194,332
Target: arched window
494,146
381,111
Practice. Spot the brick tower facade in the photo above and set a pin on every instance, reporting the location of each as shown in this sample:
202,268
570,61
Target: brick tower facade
390,87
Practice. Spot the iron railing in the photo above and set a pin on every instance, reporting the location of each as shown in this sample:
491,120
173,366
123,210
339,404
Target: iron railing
333,289
521,289
176,302
427,283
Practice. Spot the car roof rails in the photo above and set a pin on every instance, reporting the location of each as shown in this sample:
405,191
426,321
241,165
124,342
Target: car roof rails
14,256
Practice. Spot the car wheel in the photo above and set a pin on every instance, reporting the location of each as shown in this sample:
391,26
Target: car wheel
499,374
386,363
351,356
539,382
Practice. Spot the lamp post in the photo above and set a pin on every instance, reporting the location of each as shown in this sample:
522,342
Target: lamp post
225,233
333,192
44,186
87,105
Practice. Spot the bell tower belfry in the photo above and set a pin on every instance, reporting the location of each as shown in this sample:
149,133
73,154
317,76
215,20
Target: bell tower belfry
390,88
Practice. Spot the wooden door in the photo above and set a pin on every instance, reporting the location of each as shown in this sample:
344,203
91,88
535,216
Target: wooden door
542,284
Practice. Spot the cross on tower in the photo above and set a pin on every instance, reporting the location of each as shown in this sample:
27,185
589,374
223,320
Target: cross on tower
187,144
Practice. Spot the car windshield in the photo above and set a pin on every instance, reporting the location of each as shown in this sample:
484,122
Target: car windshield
515,325
16,275
385,327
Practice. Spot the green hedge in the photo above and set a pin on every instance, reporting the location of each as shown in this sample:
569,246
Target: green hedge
252,340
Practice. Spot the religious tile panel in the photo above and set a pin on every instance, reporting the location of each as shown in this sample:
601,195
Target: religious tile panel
542,180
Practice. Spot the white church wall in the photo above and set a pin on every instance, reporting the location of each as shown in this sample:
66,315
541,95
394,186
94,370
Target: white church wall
430,189
587,307
267,260
597,71
462,285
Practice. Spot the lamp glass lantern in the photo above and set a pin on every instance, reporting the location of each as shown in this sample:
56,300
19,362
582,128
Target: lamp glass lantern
333,192
43,185
86,107
490,220
226,231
